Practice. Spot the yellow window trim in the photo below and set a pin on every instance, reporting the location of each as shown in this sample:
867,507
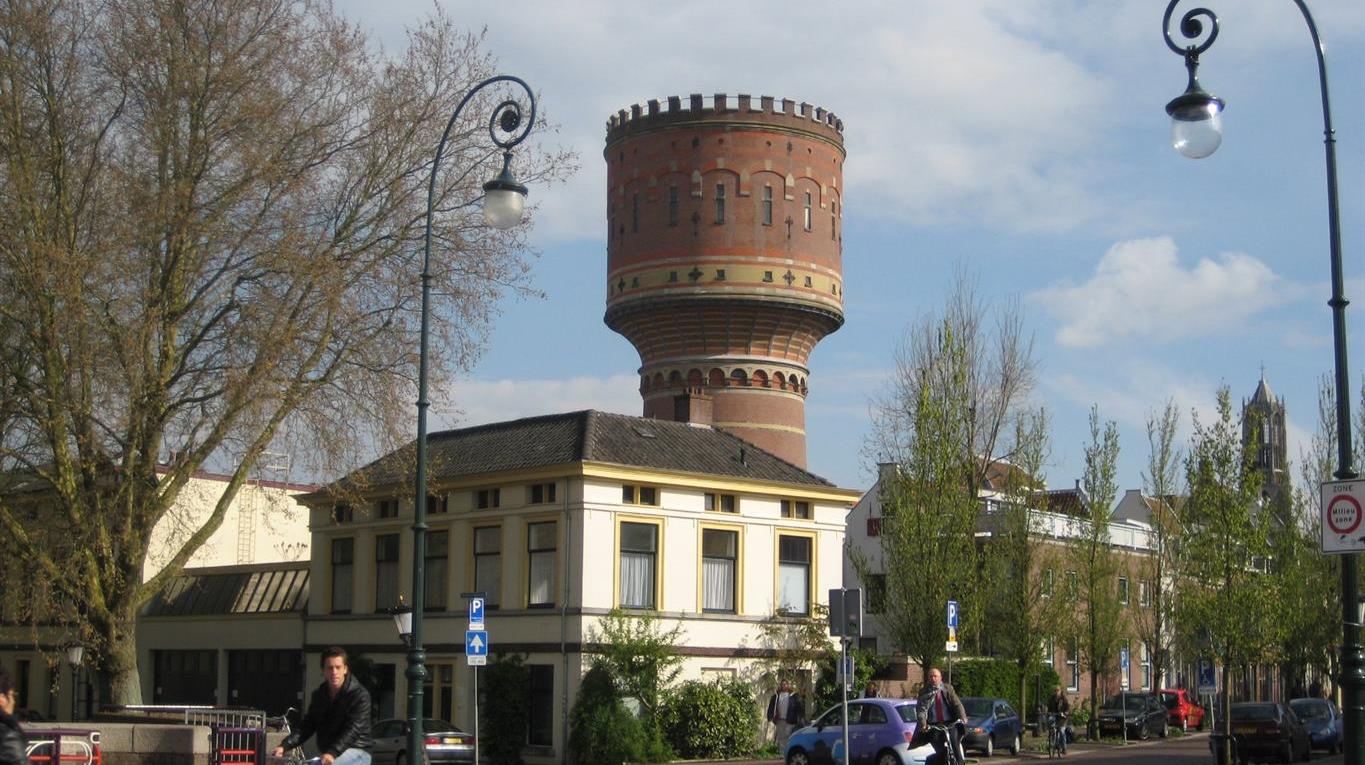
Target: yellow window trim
502,549
739,562
778,533
559,547
658,560
636,486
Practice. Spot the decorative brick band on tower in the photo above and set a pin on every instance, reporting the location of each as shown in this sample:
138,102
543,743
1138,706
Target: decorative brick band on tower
724,264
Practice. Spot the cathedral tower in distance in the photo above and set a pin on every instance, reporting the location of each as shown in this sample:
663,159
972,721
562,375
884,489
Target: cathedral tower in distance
1263,421
724,257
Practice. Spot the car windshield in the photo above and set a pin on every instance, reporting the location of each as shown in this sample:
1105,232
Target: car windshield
977,707
1310,709
1129,700
1171,700
1244,712
906,711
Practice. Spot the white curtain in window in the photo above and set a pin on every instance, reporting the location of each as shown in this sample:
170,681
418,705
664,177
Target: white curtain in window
488,577
542,578
792,594
637,580
718,584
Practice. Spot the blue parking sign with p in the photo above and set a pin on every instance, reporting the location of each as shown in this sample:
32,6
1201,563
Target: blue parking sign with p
952,614
476,610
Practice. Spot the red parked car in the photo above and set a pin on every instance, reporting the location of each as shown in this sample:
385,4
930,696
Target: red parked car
1181,710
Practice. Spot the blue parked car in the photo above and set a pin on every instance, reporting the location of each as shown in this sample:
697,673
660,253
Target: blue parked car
991,724
1323,721
879,730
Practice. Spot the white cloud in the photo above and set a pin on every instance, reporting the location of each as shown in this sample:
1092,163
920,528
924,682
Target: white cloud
484,401
1141,290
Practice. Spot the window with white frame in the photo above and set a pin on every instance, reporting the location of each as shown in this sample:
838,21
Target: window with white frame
488,564
793,573
639,551
767,205
1144,593
541,543
720,569
1146,667
1045,587
1073,667
1047,648
1123,590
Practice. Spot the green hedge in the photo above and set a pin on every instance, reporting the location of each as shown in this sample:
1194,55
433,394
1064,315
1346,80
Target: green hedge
1000,678
710,721
602,731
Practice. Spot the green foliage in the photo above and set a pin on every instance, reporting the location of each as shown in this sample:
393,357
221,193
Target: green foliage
506,709
641,656
795,642
602,731
710,721
827,693
1000,678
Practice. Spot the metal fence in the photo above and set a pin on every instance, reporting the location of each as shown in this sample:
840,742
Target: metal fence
230,745
58,746
235,717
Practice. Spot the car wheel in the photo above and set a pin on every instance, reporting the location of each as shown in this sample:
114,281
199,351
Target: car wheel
989,748
888,758
398,759
1015,745
1287,753
798,757
1165,729
1144,732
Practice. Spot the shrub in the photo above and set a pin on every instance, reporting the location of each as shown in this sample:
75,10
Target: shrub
1000,678
827,693
602,731
505,709
710,721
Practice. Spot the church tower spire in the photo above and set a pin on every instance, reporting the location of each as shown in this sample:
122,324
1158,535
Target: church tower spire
1263,426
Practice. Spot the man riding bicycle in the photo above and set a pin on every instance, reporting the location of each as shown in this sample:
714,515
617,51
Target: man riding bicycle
1058,708
339,713
939,705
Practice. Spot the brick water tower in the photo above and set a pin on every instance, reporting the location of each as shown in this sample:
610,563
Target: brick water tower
724,264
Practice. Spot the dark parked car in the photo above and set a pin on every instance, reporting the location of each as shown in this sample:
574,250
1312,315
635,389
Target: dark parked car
1322,719
1267,731
991,723
879,733
1141,713
444,742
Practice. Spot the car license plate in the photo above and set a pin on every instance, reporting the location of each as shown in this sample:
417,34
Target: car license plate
1244,729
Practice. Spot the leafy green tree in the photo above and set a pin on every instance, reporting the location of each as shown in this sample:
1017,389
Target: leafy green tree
601,730
945,423
210,228
1022,614
506,713
1161,569
1099,626
711,721
1226,548
827,691
641,656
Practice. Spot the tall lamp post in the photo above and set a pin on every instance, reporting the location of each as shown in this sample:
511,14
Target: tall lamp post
1196,131
503,201
74,654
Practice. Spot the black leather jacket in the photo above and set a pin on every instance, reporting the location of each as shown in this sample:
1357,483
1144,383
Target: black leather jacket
340,723
12,742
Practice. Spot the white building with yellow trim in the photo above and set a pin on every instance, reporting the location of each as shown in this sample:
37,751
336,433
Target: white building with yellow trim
559,519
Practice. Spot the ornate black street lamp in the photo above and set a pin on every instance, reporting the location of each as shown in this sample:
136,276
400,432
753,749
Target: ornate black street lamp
503,201
1196,132
75,652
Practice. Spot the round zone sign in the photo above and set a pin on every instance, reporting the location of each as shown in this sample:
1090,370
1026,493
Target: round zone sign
1343,514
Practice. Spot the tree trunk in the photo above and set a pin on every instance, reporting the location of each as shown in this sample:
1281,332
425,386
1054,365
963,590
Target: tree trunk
120,662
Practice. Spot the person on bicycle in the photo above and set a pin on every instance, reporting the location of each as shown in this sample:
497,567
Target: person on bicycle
339,713
939,705
1058,708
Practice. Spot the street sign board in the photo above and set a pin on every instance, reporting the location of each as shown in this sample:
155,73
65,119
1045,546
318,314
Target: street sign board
950,646
952,614
476,647
1208,681
1123,665
476,613
846,612
1342,530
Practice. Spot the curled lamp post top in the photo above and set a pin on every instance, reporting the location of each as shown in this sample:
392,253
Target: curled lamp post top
1191,28
1196,125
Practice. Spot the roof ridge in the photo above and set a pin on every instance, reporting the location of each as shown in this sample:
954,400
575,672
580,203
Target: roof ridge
504,423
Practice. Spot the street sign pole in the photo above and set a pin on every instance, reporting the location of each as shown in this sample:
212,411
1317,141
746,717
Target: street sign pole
475,651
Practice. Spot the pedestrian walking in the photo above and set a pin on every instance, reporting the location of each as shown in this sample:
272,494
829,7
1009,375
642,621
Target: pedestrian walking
785,711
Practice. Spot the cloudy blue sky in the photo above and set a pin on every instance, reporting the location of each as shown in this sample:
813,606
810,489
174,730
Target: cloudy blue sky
1024,141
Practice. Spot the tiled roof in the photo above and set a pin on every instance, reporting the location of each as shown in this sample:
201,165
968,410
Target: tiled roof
585,436
271,588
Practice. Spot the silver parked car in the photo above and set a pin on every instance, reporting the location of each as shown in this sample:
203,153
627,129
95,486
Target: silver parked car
444,742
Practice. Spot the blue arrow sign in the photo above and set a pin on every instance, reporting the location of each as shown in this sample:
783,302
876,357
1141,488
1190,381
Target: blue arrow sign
476,643
476,611
952,614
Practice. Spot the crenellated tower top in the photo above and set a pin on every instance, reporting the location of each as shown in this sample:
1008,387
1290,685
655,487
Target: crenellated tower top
767,112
